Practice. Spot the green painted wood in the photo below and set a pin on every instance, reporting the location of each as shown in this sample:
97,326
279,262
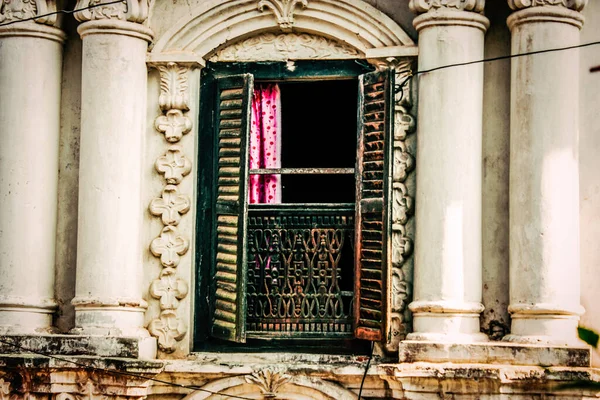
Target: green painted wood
372,306
303,69
232,123
205,211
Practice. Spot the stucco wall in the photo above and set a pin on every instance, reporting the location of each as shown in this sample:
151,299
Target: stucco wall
495,167
589,173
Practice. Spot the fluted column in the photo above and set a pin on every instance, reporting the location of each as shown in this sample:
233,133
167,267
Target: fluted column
109,284
30,79
544,172
448,266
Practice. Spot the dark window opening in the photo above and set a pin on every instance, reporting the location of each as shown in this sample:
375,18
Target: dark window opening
318,123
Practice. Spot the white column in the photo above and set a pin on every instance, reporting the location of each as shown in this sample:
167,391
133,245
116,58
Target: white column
109,287
30,86
544,173
448,265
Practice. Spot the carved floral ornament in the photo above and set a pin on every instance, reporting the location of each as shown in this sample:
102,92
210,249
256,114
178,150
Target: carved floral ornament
169,329
171,206
128,10
285,46
576,5
284,10
422,6
169,246
169,289
17,10
174,165
269,382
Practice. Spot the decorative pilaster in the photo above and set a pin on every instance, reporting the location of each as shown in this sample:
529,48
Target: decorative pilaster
109,289
544,173
403,203
169,327
448,273
30,89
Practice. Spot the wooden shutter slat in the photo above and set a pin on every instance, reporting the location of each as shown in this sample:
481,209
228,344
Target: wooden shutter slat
372,307
233,123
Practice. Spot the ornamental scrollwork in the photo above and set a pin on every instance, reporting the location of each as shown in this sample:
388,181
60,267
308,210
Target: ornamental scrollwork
269,382
18,10
576,5
127,10
285,46
170,245
423,6
284,10
174,93
403,203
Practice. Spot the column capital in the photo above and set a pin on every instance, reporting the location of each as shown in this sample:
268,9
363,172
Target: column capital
423,6
128,10
19,10
575,5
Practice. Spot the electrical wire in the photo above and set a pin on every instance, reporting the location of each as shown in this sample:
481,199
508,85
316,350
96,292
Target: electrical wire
362,382
62,12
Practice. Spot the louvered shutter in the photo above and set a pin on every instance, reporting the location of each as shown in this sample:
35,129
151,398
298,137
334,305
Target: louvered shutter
233,123
372,306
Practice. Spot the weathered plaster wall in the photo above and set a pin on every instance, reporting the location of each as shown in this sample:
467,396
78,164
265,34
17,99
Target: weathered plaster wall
589,173
68,178
496,140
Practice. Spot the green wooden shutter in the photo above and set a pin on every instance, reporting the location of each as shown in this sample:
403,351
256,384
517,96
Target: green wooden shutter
372,306
233,123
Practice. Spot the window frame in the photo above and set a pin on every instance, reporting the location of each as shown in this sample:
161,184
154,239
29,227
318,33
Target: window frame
268,71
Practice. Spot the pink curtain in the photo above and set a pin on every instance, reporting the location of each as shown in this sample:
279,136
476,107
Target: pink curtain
265,143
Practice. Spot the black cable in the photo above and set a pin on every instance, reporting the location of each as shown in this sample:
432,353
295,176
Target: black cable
62,12
529,53
115,372
362,383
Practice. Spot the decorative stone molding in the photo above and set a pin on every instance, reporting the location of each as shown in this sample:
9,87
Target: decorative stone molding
170,245
18,10
173,87
268,381
171,206
422,6
215,24
168,328
284,11
403,199
285,46
174,165
169,289
127,10
174,125
576,5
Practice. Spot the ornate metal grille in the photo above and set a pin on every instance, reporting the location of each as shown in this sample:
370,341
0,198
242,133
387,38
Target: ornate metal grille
300,272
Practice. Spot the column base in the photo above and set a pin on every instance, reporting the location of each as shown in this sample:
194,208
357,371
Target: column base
494,353
21,317
71,345
110,317
448,322
544,324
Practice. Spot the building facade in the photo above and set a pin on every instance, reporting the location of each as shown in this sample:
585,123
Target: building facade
447,250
